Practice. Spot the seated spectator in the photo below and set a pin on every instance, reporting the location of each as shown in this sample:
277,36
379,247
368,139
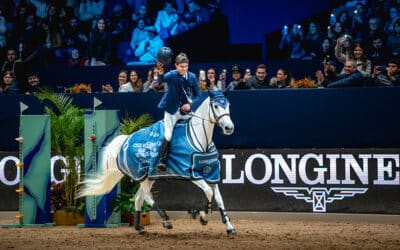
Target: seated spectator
259,80
122,79
133,85
75,60
335,32
149,47
33,84
283,79
11,63
222,79
376,51
344,48
138,35
363,64
142,14
167,21
153,82
329,65
211,80
389,76
196,14
313,40
325,50
237,80
393,41
100,45
9,84
350,78
3,35
393,16
74,36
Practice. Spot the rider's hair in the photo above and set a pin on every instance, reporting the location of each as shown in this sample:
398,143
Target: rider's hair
181,58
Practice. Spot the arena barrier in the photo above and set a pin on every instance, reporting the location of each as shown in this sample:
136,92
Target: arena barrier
34,171
101,126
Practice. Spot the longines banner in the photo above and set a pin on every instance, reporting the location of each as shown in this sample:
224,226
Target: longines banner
315,180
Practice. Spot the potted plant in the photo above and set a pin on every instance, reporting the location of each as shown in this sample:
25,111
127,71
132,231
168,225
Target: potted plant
67,124
125,201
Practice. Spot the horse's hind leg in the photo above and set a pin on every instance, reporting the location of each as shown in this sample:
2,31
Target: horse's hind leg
149,199
225,219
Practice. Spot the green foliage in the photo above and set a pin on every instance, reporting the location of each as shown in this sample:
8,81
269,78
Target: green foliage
67,124
129,125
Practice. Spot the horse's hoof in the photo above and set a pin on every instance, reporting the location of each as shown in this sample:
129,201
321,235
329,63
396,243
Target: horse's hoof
203,221
167,224
140,229
231,231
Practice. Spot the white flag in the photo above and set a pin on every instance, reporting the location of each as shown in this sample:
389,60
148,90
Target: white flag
96,102
23,107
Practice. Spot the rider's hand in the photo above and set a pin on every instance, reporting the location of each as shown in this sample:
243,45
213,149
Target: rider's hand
186,107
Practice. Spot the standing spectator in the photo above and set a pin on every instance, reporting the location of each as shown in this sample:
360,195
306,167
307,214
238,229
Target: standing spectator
167,21
389,78
148,48
393,41
293,42
259,80
9,84
350,78
133,85
100,44
33,84
313,40
283,79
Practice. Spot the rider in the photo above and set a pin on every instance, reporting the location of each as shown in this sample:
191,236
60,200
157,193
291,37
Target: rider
183,87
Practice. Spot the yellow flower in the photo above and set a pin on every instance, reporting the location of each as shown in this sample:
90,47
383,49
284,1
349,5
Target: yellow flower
304,83
79,88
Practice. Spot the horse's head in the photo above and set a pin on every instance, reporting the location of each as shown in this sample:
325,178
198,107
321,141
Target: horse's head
220,112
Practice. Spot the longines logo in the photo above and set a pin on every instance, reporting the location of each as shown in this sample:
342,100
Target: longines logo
318,179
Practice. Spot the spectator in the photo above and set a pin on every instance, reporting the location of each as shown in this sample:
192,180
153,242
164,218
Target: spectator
343,48
336,32
9,85
344,19
293,42
153,82
393,16
363,64
393,41
50,43
236,73
138,35
90,9
350,78
313,40
222,79
100,44
74,36
12,64
376,51
122,79
211,80
196,14
166,21
148,48
3,34
33,84
283,79
359,21
142,14
133,85
75,60
259,80
389,76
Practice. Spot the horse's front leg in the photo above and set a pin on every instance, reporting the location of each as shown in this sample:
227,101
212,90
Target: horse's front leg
142,194
225,219
209,194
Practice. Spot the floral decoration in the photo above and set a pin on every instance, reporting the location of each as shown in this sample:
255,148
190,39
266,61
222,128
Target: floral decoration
79,88
304,83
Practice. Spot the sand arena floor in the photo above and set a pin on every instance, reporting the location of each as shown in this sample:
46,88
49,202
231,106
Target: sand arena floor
255,231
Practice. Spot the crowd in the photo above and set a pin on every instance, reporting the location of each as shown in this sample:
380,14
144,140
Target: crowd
360,46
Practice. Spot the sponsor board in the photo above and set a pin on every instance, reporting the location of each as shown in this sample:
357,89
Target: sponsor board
315,180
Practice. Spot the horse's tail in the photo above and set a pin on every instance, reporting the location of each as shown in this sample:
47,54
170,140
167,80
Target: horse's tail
110,174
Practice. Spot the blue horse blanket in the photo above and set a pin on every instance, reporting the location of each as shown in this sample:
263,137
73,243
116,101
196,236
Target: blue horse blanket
138,156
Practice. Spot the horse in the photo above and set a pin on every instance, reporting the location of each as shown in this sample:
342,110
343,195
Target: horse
193,156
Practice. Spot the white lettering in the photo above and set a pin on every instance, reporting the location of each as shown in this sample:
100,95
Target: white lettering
290,172
361,172
3,178
320,170
387,170
332,169
249,167
228,171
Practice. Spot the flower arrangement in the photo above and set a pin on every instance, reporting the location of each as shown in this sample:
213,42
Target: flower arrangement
79,88
304,83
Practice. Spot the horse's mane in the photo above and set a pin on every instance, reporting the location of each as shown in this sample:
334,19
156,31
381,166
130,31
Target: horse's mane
204,94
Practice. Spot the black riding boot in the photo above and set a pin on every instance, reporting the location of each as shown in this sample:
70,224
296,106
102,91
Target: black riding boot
163,156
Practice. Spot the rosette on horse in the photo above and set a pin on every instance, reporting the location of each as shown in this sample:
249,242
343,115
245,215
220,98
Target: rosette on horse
193,156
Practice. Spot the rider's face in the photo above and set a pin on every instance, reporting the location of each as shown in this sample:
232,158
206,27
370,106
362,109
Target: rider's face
182,68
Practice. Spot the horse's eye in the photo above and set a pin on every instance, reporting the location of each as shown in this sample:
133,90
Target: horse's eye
215,106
